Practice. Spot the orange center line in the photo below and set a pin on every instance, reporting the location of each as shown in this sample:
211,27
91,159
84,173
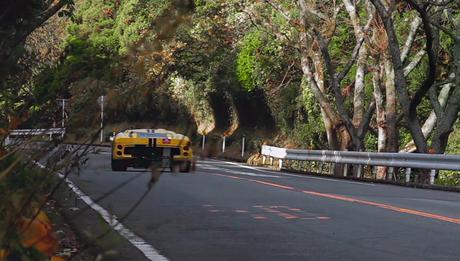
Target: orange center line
272,184
385,206
353,200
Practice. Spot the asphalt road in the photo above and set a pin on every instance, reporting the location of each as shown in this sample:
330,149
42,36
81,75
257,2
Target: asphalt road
228,211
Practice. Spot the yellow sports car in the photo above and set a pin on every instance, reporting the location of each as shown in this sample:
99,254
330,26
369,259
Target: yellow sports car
139,148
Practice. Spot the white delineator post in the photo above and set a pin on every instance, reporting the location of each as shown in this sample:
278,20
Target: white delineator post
223,145
242,148
203,142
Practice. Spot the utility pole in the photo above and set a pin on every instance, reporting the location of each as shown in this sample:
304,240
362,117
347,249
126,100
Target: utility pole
101,100
63,104
63,112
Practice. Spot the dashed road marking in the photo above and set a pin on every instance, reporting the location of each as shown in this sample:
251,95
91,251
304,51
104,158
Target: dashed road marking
354,200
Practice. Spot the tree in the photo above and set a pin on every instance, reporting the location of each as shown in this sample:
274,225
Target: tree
18,19
429,13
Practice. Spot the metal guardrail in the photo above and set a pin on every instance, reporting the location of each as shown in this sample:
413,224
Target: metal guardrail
30,132
21,133
404,160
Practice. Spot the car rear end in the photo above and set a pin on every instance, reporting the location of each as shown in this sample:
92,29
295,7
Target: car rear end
140,150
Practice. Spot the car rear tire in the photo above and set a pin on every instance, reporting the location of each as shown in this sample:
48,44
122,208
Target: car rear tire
118,165
185,166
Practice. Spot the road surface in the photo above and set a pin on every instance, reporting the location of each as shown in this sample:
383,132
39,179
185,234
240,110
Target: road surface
229,211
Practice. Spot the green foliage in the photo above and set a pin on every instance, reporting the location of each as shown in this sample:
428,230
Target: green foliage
260,60
246,62
135,21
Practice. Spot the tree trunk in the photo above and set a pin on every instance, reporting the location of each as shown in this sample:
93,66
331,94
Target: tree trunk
444,127
380,118
358,95
331,133
390,108
400,83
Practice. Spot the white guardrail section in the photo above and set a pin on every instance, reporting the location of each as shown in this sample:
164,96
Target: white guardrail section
31,132
404,160
20,133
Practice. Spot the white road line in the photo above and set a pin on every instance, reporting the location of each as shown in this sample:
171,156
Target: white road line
103,153
297,176
210,167
149,251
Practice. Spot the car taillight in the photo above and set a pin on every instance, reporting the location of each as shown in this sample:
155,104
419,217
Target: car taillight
166,141
186,147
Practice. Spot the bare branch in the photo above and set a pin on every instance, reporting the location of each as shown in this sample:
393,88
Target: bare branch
350,63
410,38
417,58
364,126
279,9
431,70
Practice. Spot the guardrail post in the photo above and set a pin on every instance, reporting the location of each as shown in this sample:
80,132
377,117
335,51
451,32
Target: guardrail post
432,175
408,171
345,170
359,171
263,160
391,173
271,161
280,164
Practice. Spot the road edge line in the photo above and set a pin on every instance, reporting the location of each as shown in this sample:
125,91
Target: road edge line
147,250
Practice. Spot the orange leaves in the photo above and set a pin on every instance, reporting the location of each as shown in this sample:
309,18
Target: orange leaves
38,233
3,254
